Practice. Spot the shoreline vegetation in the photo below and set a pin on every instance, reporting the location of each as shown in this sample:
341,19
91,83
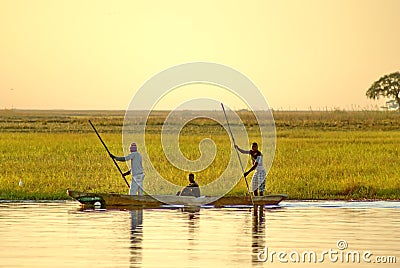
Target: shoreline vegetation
346,155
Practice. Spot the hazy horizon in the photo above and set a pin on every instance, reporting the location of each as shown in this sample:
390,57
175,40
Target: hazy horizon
326,109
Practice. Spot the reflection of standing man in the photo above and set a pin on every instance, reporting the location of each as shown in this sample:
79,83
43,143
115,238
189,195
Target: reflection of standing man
258,235
258,180
136,169
136,237
136,219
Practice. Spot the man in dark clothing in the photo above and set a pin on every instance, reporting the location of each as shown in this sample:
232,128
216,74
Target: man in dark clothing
192,189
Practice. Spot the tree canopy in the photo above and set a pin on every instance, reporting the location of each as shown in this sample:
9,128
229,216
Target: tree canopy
387,86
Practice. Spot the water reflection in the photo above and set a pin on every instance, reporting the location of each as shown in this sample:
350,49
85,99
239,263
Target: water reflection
41,235
258,232
192,216
192,212
136,237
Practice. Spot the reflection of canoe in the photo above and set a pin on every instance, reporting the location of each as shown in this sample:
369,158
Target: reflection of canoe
120,200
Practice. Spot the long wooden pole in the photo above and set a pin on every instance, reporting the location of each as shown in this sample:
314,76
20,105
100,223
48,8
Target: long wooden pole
237,152
105,146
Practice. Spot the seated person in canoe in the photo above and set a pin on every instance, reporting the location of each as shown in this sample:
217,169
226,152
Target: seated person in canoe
192,189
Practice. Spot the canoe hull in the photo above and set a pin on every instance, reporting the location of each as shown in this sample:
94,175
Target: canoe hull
110,200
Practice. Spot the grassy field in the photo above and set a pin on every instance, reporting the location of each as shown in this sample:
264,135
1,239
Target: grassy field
319,155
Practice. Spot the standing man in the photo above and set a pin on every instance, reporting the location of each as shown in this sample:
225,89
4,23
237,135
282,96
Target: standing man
136,169
258,180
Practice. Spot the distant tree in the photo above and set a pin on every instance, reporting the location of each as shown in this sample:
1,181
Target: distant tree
387,86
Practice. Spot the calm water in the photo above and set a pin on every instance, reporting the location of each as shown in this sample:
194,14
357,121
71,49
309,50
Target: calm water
61,235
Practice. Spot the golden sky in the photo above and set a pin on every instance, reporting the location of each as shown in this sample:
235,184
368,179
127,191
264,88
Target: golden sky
91,54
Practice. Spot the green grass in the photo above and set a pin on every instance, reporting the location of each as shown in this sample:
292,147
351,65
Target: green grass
312,164
319,155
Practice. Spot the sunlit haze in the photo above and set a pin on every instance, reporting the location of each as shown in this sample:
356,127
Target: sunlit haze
307,54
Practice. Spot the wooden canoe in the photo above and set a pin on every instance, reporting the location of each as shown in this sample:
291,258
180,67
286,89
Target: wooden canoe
110,200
